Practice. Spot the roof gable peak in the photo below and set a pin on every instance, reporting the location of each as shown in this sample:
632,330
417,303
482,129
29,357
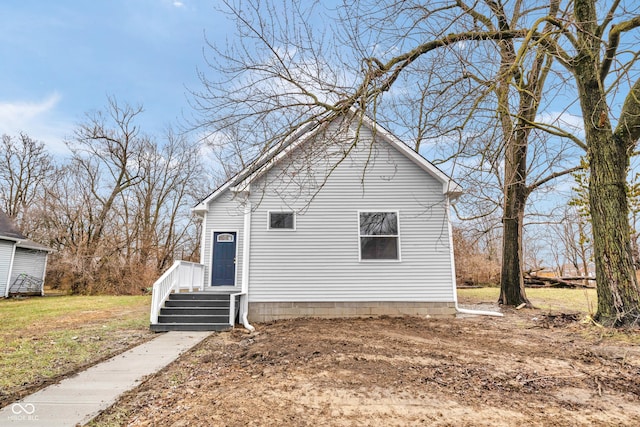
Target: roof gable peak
242,180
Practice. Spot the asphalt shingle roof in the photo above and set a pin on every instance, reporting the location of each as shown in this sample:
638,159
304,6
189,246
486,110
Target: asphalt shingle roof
8,229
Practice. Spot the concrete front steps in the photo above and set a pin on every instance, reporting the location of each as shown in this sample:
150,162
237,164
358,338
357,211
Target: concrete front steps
195,311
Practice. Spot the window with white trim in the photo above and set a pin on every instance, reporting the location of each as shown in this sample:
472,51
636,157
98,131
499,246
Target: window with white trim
379,236
282,221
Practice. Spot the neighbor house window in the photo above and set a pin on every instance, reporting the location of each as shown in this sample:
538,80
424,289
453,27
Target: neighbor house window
281,221
379,236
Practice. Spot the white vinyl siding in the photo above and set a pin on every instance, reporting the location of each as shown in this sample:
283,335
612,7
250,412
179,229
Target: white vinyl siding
225,214
320,261
6,254
29,262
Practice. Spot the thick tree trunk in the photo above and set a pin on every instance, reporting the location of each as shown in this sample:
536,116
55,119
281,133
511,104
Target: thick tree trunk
618,294
516,191
512,290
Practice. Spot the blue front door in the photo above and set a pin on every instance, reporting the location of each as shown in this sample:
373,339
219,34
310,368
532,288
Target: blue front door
223,272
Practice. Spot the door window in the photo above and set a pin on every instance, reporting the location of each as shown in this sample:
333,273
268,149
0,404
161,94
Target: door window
225,238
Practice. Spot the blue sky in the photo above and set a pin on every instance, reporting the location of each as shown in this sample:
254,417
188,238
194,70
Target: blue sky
62,58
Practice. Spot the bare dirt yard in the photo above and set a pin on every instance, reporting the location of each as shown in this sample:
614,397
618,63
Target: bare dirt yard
526,369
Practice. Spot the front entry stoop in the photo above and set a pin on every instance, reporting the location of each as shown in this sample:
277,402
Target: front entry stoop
195,311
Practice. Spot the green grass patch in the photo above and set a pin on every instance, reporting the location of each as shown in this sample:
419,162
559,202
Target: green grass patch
45,337
548,299
17,313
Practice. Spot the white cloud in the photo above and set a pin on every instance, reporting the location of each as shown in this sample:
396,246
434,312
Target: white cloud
12,112
564,120
177,3
38,120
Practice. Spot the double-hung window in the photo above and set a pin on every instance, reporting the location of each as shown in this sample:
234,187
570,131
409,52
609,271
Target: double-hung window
379,236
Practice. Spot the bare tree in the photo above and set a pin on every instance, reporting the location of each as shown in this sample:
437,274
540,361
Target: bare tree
570,242
171,174
582,31
461,93
392,39
105,150
118,210
515,88
475,262
25,167
603,69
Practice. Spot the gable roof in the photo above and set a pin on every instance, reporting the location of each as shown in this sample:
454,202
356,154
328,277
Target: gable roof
8,231
242,180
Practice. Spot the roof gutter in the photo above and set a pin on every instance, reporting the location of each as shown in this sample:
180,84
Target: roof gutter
25,243
28,244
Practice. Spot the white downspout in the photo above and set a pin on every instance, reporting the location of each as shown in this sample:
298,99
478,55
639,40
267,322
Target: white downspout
453,274
10,272
203,246
44,272
245,266
477,312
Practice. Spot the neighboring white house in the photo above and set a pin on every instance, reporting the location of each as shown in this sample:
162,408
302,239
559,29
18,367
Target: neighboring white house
22,262
343,219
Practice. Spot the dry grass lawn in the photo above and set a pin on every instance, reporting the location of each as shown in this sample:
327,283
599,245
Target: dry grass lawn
47,338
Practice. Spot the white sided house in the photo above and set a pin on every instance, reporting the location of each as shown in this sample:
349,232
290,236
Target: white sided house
342,220
23,263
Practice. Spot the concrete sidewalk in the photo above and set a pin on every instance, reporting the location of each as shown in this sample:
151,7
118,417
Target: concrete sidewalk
78,399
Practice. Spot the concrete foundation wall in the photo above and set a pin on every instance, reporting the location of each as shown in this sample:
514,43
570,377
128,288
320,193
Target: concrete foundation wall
267,311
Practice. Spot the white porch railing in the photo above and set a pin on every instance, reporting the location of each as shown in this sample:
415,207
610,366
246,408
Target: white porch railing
181,275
